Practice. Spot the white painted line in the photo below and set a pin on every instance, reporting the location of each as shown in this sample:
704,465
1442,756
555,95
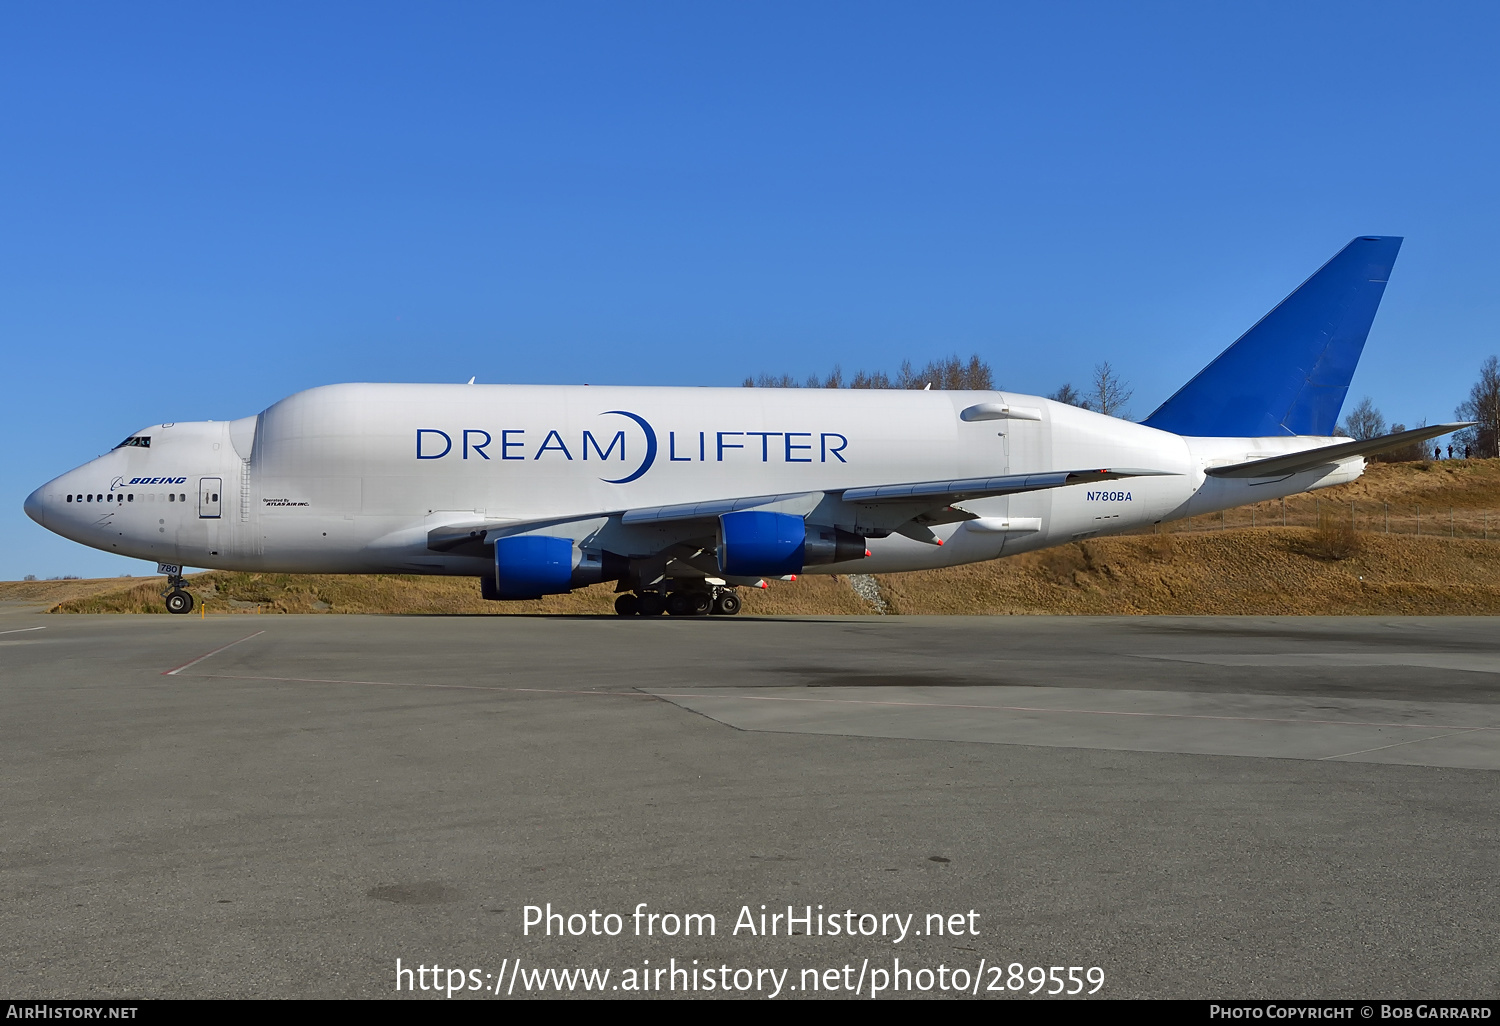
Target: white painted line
1398,744
23,630
195,662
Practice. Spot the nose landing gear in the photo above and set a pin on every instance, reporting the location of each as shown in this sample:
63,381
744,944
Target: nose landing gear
176,593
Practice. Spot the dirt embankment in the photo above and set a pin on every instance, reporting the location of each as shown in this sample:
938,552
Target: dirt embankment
221,592
1261,571
1267,570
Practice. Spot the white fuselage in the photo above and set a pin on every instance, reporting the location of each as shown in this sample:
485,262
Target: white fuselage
351,478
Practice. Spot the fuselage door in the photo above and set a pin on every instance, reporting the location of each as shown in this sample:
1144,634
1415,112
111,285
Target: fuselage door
210,489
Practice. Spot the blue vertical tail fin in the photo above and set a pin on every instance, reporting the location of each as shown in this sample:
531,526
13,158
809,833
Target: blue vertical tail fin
1288,374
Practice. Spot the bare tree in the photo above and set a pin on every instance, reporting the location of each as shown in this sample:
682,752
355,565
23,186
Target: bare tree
1364,421
949,373
871,379
1067,394
978,376
1109,394
1483,405
771,381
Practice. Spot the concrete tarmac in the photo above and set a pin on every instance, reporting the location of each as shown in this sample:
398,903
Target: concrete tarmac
278,806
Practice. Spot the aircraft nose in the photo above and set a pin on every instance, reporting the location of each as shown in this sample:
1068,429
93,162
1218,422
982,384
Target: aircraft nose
36,507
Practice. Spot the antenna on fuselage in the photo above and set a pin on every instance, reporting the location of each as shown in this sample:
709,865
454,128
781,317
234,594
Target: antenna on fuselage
471,380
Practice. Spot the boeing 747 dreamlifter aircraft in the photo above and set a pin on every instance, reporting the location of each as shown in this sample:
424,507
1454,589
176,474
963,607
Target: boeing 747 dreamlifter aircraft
682,494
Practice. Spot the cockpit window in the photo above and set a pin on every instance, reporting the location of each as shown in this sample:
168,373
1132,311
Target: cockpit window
136,441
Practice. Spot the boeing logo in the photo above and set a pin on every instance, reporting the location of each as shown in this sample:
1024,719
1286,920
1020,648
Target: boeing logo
682,447
156,480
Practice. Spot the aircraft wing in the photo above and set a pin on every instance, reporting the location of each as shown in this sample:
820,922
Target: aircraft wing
702,510
944,493
1308,459
920,496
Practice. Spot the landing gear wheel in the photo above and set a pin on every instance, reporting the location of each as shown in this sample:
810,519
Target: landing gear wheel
680,603
627,605
726,603
651,604
702,601
179,602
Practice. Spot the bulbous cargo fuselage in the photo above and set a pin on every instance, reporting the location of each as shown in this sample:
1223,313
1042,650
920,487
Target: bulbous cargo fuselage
355,478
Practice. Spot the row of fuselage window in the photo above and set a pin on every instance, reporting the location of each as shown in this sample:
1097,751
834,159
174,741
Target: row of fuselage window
129,496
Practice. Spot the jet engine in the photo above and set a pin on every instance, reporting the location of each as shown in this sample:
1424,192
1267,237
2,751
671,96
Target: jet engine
529,566
755,543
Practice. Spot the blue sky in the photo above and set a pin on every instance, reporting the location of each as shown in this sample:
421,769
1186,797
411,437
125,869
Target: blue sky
204,208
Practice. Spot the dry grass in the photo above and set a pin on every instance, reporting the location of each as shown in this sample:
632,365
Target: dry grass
1263,571
51,592
1462,484
222,592
228,592
1334,538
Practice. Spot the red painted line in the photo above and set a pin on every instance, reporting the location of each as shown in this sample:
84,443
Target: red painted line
1078,712
195,662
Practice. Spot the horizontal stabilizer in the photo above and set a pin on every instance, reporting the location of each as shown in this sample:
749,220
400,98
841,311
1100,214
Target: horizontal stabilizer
1308,459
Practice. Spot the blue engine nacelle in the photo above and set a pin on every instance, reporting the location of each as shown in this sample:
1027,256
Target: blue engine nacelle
529,566
755,543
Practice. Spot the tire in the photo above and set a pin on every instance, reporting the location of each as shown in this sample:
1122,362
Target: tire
680,603
651,604
726,603
627,605
702,601
179,602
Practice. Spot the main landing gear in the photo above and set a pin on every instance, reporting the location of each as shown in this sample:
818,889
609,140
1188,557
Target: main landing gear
682,602
177,596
